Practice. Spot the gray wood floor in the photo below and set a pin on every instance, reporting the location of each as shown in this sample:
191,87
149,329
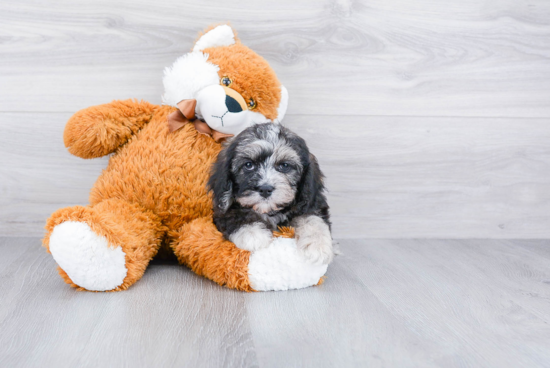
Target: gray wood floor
400,303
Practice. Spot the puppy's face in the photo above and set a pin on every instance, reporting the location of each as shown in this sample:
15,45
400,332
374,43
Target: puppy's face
265,164
266,170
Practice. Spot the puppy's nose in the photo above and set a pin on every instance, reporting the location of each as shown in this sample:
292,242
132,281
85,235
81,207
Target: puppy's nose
232,104
265,190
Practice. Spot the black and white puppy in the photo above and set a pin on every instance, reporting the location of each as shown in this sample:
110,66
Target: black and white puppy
264,178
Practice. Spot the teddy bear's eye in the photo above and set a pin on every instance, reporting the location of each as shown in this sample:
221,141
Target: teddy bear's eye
251,104
226,81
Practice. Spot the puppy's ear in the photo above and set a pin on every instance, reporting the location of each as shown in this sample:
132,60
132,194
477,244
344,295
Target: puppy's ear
311,188
220,182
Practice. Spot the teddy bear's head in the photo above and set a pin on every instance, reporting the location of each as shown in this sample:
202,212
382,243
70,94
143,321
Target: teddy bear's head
225,84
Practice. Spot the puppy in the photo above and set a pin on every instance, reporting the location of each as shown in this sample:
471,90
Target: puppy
265,178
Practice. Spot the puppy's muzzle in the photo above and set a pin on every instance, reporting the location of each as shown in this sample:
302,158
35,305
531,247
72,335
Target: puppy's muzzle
265,190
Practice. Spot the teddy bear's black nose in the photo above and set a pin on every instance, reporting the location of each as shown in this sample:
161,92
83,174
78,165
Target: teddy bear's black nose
232,104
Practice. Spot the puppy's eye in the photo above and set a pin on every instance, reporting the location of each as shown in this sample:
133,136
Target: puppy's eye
284,167
226,81
249,166
252,104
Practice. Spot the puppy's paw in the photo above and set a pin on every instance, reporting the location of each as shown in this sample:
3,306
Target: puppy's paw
317,249
252,237
314,240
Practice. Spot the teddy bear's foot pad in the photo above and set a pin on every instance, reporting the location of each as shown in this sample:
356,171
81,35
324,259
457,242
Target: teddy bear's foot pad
87,257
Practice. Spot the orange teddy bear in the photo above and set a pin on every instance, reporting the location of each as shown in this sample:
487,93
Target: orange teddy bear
153,192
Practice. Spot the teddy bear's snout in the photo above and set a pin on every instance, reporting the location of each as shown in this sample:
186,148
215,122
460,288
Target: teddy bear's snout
232,104
225,110
233,100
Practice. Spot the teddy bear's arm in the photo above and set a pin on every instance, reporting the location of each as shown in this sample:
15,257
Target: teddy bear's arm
99,130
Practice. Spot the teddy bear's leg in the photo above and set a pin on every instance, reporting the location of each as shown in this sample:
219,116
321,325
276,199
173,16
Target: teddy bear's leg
201,247
103,247
281,266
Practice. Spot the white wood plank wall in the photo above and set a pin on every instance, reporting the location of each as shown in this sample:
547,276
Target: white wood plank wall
430,118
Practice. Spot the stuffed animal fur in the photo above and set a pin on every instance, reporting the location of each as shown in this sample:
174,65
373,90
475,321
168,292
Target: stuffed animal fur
153,192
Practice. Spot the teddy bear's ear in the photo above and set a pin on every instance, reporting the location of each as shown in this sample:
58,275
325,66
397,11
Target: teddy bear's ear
222,35
281,110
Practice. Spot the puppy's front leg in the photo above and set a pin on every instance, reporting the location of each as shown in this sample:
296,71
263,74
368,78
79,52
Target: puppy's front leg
244,228
252,237
314,239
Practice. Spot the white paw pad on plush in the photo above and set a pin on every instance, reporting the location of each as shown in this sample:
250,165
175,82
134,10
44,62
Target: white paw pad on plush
87,257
